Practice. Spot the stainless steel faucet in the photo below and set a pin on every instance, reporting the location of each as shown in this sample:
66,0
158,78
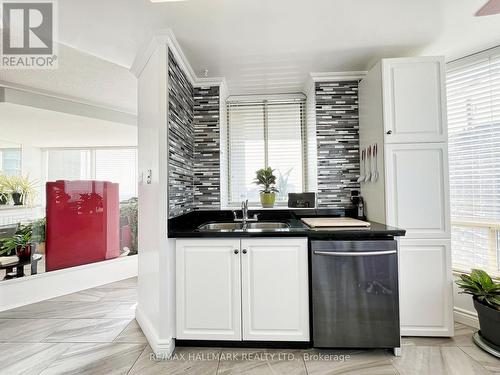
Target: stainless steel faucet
244,215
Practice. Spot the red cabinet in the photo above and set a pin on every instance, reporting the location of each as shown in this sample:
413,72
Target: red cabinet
83,219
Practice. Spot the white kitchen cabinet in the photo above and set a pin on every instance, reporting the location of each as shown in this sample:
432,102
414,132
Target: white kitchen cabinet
426,286
417,189
402,109
275,302
208,288
259,284
414,99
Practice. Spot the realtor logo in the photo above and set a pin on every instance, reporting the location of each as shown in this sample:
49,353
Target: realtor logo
28,35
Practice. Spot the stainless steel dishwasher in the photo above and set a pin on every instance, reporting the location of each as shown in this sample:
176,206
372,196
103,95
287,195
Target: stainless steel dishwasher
355,300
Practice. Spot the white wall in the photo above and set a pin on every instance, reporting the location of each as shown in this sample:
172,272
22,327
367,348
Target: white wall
155,296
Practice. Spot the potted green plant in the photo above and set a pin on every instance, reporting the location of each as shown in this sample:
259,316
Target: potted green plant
4,191
19,243
22,189
486,296
37,228
129,212
267,180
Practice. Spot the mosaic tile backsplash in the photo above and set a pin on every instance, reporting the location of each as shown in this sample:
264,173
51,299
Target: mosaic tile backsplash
206,148
337,132
194,143
194,146
180,140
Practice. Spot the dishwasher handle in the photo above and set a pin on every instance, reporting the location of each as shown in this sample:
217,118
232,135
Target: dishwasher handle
353,254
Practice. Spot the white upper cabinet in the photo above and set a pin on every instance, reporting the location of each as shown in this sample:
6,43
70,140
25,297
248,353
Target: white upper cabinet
414,97
208,287
275,302
417,189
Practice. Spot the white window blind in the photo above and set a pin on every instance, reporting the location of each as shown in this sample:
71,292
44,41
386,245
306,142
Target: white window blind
474,153
10,161
260,134
117,165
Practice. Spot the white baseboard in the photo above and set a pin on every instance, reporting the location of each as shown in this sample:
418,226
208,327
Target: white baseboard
466,317
162,348
43,286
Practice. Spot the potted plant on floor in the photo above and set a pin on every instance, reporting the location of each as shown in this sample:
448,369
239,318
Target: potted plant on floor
267,180
486,296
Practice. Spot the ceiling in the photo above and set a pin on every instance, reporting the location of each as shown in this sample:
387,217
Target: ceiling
271,45
259,46
44,128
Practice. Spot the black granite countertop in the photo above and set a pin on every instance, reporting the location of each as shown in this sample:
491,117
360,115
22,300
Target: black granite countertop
186,225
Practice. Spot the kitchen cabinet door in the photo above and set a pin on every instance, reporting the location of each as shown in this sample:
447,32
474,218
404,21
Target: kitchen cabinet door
417,189
275,302
414,100
426,287
208,289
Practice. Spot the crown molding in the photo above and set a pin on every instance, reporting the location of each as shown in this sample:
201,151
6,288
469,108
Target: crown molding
167,37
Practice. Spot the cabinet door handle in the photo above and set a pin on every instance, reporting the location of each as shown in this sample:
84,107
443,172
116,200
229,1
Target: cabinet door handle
236,251
244,251
389,132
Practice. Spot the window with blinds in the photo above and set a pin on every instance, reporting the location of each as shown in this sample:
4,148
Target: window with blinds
260,134
113,164
473,86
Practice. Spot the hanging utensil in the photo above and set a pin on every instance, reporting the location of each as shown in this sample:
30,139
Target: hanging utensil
362,173
375,160
369,157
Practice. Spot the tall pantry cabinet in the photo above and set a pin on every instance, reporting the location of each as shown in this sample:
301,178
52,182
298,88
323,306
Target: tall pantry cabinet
402,109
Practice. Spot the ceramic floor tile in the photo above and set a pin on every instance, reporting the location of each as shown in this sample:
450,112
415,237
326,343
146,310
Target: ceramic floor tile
119,295
89,330
28,330
488,361
96,359
462,337
192,361
61,310
261,361
28,358
369,362
122,311
89,295
436,360
126,283
132,333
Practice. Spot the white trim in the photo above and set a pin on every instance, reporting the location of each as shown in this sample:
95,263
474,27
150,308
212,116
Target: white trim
258,97
47,100
163,348
466,317
164,36
337,76
208,82
43,286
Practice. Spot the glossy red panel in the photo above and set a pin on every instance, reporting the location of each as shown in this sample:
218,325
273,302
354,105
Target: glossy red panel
82,223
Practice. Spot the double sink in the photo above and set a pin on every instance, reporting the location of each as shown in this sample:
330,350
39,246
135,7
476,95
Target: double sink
230,226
